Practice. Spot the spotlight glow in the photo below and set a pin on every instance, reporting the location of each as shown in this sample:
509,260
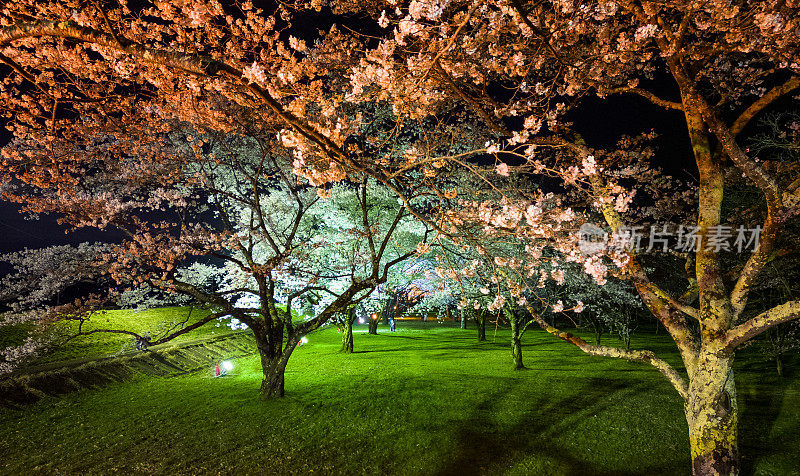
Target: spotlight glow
304,340
227,365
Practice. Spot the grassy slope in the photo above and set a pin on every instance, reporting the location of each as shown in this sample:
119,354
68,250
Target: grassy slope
155,321
412,402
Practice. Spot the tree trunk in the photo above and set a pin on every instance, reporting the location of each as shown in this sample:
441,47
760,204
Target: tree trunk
463,320
516,345
274,358
481,322
389,309
272,384
373,325
347,336
779,365
712,415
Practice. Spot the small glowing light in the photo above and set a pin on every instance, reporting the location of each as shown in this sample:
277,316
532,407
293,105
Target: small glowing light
304,340
227,365
361,321
374,316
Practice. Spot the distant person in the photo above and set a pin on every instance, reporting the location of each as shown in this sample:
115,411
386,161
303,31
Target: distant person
391,323
143,342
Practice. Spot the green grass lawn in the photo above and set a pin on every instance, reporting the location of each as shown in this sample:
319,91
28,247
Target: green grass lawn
418,401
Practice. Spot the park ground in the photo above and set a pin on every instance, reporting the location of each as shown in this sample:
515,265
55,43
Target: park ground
427,399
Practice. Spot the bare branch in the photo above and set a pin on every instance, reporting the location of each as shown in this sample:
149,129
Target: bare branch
188,328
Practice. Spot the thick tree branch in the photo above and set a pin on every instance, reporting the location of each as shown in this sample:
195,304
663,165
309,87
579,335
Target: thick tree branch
658,301
339,304
762,179
649,96
768,98
767,319
755,264
640,277
645,356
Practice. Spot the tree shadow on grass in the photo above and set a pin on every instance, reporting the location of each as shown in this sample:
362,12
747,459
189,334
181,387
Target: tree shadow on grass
761,405
482,449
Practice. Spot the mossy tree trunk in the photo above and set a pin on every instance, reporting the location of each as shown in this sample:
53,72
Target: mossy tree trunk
272,383
710,403
463,320
712,415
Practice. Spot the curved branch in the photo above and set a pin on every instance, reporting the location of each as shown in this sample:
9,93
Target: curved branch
762,179
768,98
645,356
188,328
755,264
615,222
649,96
777,315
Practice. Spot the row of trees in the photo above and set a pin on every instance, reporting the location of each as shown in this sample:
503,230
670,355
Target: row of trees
171,121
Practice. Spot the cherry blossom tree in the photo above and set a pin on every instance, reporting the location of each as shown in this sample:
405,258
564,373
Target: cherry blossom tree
504,74
42,275
718,63
273,239
343,249
36,291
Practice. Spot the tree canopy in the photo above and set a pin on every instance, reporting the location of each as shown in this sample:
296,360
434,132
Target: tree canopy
107,97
